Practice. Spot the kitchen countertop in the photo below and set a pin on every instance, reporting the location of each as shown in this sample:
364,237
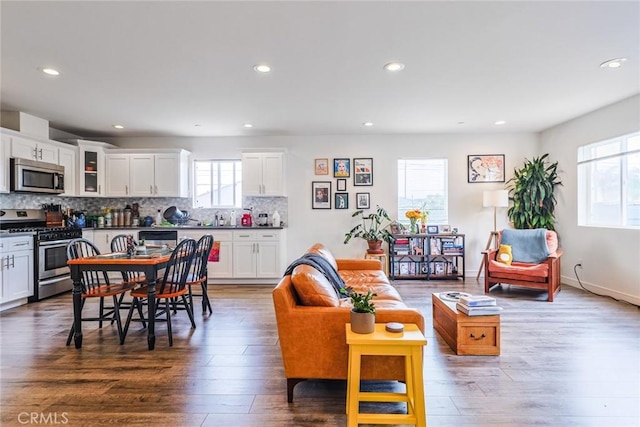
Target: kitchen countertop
5,233
186,227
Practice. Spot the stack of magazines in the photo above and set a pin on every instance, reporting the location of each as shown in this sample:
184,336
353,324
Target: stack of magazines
478,305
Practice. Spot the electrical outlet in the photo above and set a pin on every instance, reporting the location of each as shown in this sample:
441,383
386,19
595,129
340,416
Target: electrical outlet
579,263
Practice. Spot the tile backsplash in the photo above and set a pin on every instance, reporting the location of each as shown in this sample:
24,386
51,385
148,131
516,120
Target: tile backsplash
148,206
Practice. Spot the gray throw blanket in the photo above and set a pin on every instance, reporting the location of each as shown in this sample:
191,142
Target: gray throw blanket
323,266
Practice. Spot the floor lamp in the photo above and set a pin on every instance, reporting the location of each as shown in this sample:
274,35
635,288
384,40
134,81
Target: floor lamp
493,199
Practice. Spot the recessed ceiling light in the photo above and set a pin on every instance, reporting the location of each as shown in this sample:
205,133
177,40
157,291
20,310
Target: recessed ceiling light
118,126
500,122
367,124
262,68
394,66
51,71
197,125
613,63
248,125
460,123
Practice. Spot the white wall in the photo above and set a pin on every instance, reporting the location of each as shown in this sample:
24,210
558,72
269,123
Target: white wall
610,256
307,226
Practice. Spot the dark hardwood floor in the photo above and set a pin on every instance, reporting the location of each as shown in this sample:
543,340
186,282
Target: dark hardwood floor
574,362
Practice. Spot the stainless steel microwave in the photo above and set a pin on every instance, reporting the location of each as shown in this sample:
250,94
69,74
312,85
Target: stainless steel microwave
29,176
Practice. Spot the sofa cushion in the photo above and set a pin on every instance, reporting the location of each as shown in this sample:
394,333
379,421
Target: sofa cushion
313,288
518,268
380,304
321,249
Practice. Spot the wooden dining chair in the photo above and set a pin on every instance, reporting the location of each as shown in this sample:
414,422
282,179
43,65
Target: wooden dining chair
119,244
95,284
198,275
171,286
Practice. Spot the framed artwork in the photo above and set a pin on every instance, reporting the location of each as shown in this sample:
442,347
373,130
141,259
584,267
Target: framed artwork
342,185
363,201
444,229
322,166
363,171
432,229
341,201
341,168
321,194
485,168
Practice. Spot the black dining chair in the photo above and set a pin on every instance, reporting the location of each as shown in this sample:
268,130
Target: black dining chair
198,275
95,284
119,244
171,286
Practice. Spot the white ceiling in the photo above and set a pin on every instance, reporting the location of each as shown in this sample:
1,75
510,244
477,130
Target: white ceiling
159,68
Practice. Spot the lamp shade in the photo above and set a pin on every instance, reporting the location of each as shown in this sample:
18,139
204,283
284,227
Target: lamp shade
495,199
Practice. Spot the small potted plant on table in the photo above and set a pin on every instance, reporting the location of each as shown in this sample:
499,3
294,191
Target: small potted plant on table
363,313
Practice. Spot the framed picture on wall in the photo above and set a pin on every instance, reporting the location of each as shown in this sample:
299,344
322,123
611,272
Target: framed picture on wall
322,166
341,201
342,185
363,201
341,168
321,194
485,168
363,171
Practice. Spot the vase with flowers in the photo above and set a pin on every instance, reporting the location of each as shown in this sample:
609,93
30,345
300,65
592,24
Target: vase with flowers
418,214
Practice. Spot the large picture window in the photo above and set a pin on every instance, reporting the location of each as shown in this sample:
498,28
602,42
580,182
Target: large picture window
609,182
217,183
423,182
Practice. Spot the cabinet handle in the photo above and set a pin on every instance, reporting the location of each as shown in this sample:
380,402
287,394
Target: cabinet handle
41,154
477,338
13,261
22,244
257,248
155,189
126,189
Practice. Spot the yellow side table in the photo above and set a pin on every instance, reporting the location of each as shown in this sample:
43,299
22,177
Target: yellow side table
383,259
408,344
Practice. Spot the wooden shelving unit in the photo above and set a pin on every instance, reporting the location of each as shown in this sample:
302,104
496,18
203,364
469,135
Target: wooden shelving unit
427,256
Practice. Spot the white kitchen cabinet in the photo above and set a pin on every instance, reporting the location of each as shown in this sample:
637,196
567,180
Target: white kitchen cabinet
263,174
118,175
91,165
223,269
5,154
16,270
257,254
102,239
67,157
141,174
26,148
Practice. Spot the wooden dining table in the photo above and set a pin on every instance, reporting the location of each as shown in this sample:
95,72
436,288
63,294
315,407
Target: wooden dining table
149,264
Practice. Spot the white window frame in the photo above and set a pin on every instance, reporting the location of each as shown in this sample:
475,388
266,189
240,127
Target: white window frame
437,214
623,148
236,201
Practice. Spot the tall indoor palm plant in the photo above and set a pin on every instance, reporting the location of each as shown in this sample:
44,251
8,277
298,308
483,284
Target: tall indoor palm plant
532,192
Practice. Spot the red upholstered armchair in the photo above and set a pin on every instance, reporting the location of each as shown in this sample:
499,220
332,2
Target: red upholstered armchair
543,274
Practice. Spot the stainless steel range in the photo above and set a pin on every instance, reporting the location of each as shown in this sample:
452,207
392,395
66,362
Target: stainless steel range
50,254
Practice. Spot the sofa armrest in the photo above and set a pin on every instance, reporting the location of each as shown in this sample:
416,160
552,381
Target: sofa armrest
358,264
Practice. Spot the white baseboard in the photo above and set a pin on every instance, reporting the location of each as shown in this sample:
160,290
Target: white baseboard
601,290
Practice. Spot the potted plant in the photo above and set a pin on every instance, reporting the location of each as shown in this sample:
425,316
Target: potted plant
532,192
374,228
363,313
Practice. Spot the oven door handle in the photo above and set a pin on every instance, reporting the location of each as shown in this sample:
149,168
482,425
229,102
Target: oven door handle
54,280
55,243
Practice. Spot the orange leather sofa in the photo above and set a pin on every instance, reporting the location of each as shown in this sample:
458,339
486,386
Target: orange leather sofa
311,320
